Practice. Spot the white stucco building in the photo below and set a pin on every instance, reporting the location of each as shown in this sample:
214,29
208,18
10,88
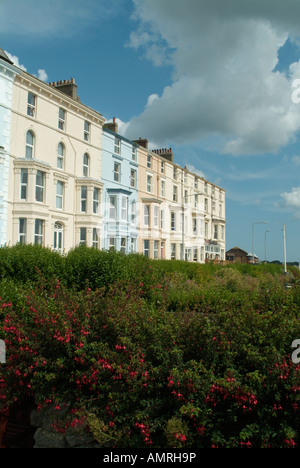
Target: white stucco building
66,179
55,166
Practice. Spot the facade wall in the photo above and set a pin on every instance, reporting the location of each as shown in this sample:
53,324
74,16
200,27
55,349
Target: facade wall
182,216
65,180
7,76
120,179
48,170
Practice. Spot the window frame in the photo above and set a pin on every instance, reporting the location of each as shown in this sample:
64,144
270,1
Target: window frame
82,238
40,189
86,165
86,130
124,208
22,233
112,207
30,146
147,215
62,119
60,163
59,201
117,171
149,183
146,247
31,107
83,198
117,145
96,238
96,200
133,178
58,236
39,225
23,185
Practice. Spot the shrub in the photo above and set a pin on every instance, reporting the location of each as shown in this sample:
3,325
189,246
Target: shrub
26,262
151,358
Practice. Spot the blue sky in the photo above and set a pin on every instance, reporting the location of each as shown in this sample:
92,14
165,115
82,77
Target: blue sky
211,79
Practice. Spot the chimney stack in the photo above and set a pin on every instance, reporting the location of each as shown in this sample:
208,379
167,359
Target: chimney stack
68,87
142,142
112,126
165,153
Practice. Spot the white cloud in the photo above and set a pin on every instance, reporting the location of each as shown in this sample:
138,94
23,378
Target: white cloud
15,60
224,84
193,169
292,199
41,74
296,160
151,99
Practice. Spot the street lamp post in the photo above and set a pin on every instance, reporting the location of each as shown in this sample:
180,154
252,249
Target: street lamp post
259,222
284,249
268,230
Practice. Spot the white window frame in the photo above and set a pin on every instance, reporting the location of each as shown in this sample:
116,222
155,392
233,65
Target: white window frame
58,237
163,188
40,189
22,230
117,172
156,249
155,216
173,221
86,130
31,104
96,200
29,147
61,119
95,242
133,174
146,247
113,207
83,236
117,149
146,215
83,199
134,153
124,208
86,165
112,243
162,219
175,193
60,155
123,246
60,186
173,251
39,231
149,183
23,184
133,212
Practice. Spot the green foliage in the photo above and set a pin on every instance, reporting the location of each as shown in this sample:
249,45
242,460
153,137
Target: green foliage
25,262
147,354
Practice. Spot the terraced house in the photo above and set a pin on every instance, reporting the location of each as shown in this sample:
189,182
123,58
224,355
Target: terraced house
68,178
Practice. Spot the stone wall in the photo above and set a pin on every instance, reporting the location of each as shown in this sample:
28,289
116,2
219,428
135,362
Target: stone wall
46,436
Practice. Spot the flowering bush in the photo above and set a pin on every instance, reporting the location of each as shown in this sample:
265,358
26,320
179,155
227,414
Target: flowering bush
155,358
